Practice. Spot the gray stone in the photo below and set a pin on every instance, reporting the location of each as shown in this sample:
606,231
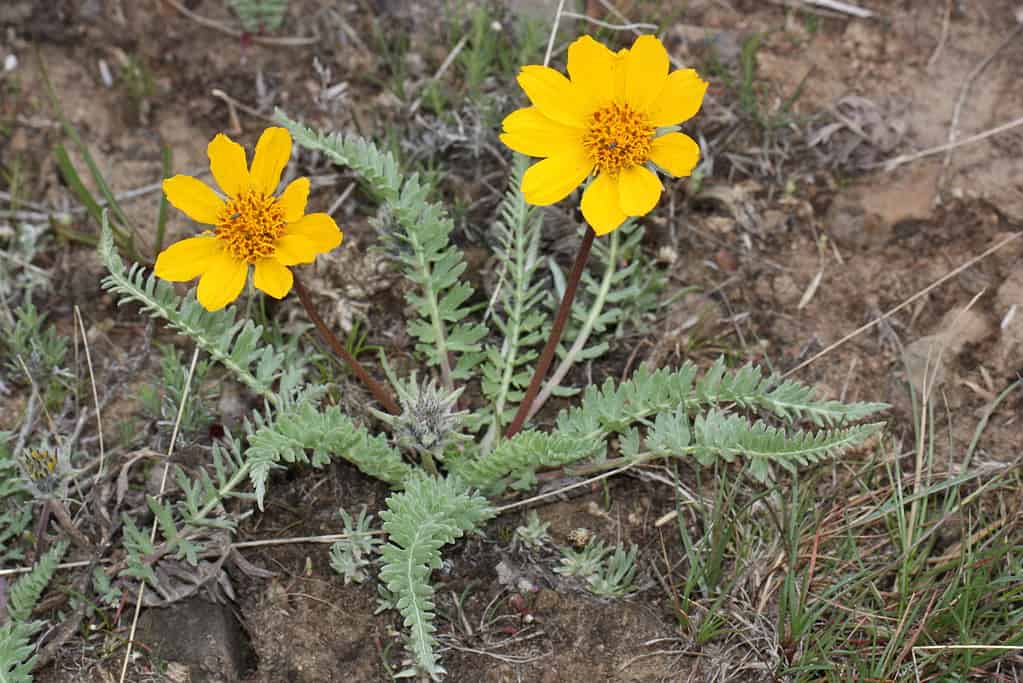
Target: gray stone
204,637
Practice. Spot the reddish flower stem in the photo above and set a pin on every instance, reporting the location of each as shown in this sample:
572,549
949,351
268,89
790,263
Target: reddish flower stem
560,319
378,391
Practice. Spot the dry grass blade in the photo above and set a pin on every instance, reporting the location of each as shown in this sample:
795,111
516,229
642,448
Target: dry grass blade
163,485
892,164
554,33
95,395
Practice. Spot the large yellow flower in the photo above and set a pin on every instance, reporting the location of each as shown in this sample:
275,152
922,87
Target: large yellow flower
252,227
605,121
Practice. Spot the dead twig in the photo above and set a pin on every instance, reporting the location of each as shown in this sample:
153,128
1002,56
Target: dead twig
235,104
944,35
163,486
841,8
892,164
824,8
610,26
953,129
441,70
92,383
554,33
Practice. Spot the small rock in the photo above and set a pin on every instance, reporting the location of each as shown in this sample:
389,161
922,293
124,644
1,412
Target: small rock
546,601
786,290
964,326
909,196
201,635
926,358
667,255
851,225
867,217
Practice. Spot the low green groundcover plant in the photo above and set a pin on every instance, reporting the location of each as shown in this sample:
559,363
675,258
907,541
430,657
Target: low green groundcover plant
611,126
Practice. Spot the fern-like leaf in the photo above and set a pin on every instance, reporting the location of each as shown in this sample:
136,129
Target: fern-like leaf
717,435
327,433
792,399
260,15
514,462
16,658
15,515
235,345
429,258
613,407
518,316
426,516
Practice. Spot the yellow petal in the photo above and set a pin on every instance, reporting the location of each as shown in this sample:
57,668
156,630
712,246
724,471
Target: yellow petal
195,198
646,69
639,188
550,180
680,99
590,65
618,74
187,259
228,165
600,205
676,153
273,278
222,282
529,132
294,198
320,229
291,250
554,95
272,153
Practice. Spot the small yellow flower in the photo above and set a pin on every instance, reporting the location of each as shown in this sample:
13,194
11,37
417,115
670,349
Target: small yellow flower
251,227
605,121
43,469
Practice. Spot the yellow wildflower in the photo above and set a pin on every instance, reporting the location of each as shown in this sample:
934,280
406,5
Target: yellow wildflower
43,469
605,121
252,227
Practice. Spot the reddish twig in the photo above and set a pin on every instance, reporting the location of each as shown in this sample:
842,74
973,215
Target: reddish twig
378,391
552,342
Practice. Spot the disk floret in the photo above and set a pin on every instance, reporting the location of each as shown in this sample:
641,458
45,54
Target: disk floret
250,226
618,137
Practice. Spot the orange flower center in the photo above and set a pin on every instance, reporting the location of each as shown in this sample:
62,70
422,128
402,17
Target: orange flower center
250,225
618,137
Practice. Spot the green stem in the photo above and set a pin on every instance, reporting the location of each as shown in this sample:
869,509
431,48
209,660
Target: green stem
235,479
438,326
426,458
552,342
525,255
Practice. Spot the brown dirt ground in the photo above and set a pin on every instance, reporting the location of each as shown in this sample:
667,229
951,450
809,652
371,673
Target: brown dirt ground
755,241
